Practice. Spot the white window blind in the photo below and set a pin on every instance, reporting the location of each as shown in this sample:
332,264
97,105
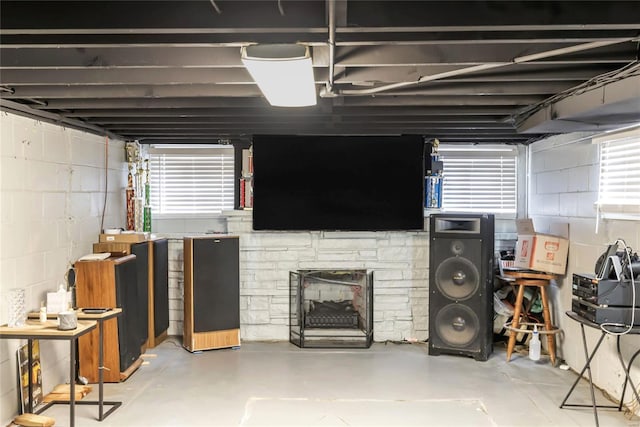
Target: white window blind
619,189
479,179
191,180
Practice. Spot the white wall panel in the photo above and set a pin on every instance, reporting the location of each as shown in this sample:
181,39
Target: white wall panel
47,223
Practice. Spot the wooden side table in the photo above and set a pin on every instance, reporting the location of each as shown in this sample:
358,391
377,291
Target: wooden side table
522,279
100,319
34,330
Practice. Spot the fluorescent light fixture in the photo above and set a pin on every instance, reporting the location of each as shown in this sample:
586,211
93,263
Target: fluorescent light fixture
283,72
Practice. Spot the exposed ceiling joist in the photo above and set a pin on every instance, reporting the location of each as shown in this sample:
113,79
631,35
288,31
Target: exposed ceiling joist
171,71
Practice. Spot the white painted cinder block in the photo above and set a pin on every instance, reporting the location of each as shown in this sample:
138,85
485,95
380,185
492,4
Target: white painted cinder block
54,204
569,206
8,143
29,134
86,178
43,176
43,230
13,173
579,179
56,147
577,208
586,204
552,182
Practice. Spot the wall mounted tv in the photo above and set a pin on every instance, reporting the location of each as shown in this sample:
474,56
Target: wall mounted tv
354,183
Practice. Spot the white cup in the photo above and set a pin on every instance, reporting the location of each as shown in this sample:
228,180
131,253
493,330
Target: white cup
68,320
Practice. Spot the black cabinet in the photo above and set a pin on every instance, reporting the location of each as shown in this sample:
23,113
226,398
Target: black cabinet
211,292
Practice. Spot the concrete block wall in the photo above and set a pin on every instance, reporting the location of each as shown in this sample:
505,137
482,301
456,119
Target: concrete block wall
52,195
176,286
564,187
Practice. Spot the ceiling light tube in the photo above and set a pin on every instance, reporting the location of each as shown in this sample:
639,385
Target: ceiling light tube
283,72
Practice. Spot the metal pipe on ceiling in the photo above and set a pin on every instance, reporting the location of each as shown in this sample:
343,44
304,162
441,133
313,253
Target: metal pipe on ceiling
481,67
332,44
215,6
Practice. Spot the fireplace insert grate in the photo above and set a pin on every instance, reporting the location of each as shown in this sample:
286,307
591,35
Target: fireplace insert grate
331,314
331,308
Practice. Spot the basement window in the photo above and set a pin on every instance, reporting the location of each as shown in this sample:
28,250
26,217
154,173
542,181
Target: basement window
190,181
481,179
619,182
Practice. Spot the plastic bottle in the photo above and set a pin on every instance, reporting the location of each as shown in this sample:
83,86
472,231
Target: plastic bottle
43,312
534,344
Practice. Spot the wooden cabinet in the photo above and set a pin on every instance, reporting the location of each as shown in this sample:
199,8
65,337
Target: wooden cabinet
153,284
110,283
211,292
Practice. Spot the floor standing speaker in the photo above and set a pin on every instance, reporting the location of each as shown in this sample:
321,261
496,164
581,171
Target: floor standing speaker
211,292
129,330
112,282
159,292
461,285
152,259
141,251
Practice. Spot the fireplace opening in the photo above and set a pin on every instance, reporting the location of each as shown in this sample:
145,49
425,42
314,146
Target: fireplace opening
331,308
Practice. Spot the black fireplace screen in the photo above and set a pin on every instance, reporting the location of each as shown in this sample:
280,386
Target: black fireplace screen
331,308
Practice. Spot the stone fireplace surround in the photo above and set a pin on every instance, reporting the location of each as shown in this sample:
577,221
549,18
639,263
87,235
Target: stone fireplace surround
399,260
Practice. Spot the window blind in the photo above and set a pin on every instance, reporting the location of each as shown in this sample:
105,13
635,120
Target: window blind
620,172
191,181
479,179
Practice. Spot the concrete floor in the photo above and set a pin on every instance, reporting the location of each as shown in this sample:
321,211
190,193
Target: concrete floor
278,384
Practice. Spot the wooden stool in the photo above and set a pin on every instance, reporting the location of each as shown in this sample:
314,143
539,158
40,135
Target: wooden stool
522,279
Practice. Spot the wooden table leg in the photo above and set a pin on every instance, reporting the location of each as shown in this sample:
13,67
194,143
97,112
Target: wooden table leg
551,339
515,322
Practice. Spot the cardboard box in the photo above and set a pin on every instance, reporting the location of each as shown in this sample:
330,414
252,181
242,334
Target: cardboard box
123,237
542,252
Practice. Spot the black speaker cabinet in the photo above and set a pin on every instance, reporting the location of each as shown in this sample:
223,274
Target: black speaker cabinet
152,259
141,251
211,292
461,285
110,283
159,292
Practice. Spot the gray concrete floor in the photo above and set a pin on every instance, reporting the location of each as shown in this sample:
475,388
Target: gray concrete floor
278,384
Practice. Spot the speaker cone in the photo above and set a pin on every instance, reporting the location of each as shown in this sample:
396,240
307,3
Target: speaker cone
457,325
457,278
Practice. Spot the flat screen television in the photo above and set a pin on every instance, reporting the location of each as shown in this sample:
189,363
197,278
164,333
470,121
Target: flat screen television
350,183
